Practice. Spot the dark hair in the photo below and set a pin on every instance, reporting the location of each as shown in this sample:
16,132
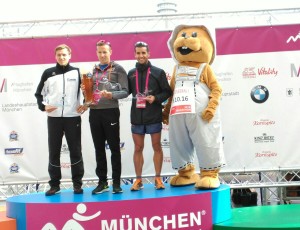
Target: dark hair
141,44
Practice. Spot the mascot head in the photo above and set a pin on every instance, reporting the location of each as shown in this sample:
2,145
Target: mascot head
191,44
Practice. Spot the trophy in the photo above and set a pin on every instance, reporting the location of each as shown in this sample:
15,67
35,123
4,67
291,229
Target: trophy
87,81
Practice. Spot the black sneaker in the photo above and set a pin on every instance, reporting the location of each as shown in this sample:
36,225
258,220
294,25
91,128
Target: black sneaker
52,191
77,190
101,188
117,189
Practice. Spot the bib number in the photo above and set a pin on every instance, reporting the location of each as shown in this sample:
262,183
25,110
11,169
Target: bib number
140,101
96,96
183,99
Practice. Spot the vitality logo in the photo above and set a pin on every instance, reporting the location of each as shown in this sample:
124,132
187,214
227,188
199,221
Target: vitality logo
3,85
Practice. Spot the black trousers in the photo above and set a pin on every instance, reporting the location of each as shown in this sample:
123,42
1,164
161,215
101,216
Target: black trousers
71,128
105,126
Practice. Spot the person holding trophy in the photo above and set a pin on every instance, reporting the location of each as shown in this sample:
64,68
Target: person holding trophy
109,85
58,94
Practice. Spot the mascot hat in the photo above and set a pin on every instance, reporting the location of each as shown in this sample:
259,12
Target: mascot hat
174,36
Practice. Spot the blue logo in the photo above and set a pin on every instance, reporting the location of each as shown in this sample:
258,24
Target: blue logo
122,145
14,168
259,94
13,151
13,136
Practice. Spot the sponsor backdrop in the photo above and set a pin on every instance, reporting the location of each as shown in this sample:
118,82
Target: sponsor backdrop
258,68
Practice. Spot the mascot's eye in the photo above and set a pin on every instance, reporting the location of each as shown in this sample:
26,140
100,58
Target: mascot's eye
183,34
194,34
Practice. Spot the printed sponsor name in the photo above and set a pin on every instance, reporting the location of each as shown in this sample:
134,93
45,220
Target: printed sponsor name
13,151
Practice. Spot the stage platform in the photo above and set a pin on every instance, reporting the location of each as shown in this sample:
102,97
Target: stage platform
171,208
273,217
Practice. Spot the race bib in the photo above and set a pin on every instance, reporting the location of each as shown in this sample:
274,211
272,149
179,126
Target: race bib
183,98
96,96
140,101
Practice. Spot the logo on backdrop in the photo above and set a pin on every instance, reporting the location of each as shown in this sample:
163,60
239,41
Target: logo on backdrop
224,76
263,122
20,87
3,86
294,39
13,151
249,72
125,101
13,136
266,154
262,71
264,138
294,71
165,143
289,92
122,146
233,93
64,149
259,94
14,168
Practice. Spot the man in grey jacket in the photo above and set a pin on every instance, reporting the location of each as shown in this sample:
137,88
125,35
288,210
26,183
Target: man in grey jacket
109,85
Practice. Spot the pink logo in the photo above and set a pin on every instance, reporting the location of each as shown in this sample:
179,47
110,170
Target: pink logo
3,86
186,213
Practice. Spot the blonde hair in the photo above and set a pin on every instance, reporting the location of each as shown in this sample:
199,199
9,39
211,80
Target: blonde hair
63,46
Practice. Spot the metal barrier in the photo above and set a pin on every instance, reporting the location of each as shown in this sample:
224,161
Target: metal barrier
272,185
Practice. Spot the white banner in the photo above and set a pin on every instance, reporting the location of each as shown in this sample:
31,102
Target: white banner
259,105
24,136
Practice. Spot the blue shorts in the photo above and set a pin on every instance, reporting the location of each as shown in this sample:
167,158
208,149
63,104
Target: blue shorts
146,129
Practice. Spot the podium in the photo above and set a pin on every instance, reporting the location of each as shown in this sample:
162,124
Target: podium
171,208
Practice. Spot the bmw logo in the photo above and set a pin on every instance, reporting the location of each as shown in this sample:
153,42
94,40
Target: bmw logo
259,94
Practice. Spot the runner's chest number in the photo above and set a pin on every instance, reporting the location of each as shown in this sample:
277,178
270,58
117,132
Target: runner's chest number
180,98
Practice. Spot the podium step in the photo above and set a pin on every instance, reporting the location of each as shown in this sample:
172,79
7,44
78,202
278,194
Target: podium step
7,223
271,217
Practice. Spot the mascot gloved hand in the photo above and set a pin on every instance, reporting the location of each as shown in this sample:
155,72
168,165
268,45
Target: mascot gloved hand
209,112
193,110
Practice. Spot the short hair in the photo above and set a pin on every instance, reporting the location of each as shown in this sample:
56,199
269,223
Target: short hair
103,42
63,46
141,44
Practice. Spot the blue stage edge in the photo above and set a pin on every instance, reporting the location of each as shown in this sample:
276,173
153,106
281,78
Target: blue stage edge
171,208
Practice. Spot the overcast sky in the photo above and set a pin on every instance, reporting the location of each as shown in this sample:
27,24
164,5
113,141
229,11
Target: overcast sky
35,10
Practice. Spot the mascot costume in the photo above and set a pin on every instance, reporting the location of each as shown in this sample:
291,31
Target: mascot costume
193,112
